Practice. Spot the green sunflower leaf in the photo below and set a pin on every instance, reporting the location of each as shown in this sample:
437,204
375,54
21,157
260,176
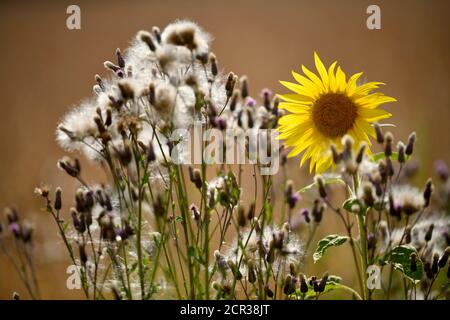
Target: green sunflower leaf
331,240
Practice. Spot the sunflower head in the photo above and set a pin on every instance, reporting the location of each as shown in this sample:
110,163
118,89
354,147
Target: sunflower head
323,108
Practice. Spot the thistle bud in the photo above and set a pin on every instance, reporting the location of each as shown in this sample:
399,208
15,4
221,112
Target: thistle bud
305,213
435,264
241,218
323,282
427,192
146,37
361,151
111,66
379,133
368,198
401,152
157,34
120,60
251,211
15,296
126,89
443,260
303,285
58,203
410,145
288,287
83,256
251,272
229,85
213,61
268,291
321,186
429,233
347,142
195,212
244,87
234,100
335,154
317,211
388,145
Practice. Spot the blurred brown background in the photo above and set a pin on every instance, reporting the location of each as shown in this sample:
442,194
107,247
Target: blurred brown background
46,68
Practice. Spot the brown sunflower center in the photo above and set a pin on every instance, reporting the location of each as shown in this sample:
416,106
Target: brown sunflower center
334,114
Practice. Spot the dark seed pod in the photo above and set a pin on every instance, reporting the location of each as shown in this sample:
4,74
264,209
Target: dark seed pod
410,146
83,256
268,291
120,60
429,233
435,264
303,285
288,287
443,260
323,282
244,87
388,145
427,193
379,133
401,152
321,186
58,202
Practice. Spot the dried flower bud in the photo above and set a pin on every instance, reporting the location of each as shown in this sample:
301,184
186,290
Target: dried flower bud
213,61
15,296
388,144
361,151
303,285
323,282
410,145
337,157
157,34
401,152
70,169
58,203
435,264
305,213
120,60
244,87
321,186
368,198
429,233
379,133
234,100
146,37
317,211
443,260
251,211
427,192
347,142
83,256
268,291
111,66
288,287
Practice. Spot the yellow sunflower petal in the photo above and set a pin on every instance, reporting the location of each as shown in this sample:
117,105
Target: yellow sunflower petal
321,69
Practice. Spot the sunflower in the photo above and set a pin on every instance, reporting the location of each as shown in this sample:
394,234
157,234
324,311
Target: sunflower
326,107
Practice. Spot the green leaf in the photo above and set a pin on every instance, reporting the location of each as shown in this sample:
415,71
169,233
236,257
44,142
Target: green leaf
349,203
400,259
331,240
329,180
